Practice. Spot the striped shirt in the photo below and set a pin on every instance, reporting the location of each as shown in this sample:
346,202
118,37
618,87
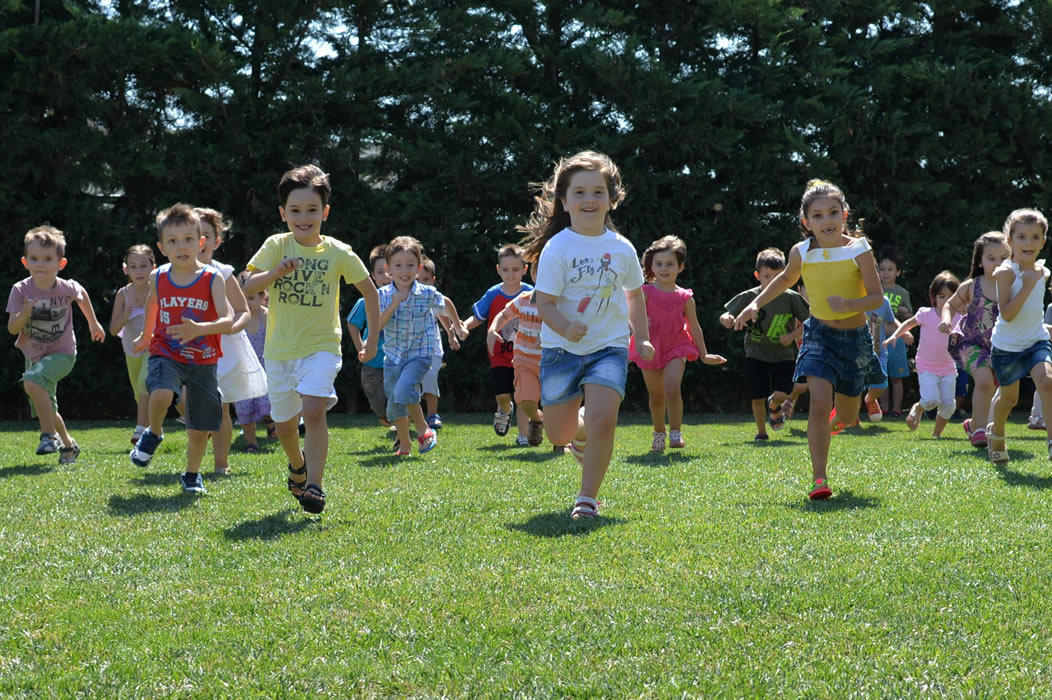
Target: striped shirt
528,337
410,332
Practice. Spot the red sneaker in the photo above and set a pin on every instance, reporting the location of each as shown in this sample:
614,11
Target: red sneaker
820,490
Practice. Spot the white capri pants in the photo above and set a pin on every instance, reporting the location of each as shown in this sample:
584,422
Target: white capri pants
936,391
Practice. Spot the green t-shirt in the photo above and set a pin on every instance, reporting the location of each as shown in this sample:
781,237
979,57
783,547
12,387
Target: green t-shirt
897,296
772,321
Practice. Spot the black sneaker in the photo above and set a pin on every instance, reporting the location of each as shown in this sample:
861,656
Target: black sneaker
68,455
192,483
143,451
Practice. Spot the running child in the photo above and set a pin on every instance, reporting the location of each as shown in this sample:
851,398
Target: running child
836,355
239,372
39,313
936,370
372,371
127,323
770,356
976,301
1037,414
1020,341
186,312
676,336
302,269
511,268
407,317
890,263
590,299
527,359
256,409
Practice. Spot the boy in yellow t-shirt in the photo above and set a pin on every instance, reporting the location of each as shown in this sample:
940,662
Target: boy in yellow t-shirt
302,270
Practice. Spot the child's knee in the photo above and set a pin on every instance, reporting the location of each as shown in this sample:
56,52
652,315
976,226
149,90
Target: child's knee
946,409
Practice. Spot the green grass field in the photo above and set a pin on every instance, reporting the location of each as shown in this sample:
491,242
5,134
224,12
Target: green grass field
458,573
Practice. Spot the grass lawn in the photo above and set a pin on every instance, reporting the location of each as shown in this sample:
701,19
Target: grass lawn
459,572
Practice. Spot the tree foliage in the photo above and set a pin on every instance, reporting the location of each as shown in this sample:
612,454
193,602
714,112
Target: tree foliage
432,118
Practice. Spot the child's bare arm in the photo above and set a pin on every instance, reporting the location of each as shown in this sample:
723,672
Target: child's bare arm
499,321
238,305
16,322
120,313
904,328
450,311
356,336
691,312
782,281
260,279
84,303
149,317
372,318
548,310
637,319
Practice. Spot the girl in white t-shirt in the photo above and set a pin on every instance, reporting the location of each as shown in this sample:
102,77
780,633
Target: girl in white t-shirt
590,299
1020,341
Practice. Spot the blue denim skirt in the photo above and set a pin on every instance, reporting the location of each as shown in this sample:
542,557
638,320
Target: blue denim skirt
1010,367
842,356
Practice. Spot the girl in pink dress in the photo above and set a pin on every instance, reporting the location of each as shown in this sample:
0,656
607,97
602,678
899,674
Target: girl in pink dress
675,335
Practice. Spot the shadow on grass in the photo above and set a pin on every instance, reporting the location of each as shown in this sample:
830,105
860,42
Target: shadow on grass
535,455
25,470
145,503
1014,478
558,524
159,478
841,500
659,459
270,527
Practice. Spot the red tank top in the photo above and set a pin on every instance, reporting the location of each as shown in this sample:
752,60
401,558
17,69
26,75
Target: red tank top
174,303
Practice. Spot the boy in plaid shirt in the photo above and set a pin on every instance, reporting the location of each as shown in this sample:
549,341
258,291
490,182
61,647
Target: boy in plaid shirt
407,318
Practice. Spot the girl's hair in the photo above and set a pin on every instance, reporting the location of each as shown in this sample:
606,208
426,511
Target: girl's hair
140,249
215,218
548,216
816,189
1025,216
945,280
988,238
666,244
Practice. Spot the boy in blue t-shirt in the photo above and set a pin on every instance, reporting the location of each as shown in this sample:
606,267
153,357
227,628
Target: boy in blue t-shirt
358,329
882,323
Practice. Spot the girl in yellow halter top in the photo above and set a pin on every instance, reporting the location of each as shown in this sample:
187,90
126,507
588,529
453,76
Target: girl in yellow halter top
836,356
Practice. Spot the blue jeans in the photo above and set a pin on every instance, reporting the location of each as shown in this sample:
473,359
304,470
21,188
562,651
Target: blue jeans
563,374
402,384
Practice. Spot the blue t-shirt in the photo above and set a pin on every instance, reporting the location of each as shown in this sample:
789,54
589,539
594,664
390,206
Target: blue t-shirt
877,319
486,309
357,318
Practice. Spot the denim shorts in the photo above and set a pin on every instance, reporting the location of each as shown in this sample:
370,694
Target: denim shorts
883,358
842,356
204,406
1010,367
403,384
563,374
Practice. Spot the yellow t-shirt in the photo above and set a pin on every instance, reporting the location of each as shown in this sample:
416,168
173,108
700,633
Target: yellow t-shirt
831,272
304,306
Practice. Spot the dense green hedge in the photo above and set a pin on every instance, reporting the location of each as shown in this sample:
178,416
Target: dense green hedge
432,117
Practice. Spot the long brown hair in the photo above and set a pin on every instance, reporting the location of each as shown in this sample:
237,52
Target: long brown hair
548,216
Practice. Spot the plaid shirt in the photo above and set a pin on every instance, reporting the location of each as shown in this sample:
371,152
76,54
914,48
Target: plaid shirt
411,330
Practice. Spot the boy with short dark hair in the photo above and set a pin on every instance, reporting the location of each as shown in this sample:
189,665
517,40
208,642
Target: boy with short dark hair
372,372
511,267
303,268
39,314
770,354
890,263
186,311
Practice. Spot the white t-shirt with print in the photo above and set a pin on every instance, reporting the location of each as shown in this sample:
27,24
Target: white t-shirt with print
590,275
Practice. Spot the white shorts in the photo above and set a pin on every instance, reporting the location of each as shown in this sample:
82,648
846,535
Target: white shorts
290,380
430,380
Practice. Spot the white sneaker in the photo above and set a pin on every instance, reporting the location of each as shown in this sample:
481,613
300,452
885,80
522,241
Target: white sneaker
502,420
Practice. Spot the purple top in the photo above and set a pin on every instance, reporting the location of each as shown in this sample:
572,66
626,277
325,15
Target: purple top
50,328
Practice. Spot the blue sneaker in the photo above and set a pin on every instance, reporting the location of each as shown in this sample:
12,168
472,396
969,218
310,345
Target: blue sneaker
434,421
143,451
49,444
192,483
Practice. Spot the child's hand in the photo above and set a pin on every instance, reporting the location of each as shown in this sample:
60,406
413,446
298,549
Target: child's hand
747,315
492,338
461,330
1032,276
945,327
186,331
367,353
454,344
576,330
786,340
97,334
726,320
401,295
140,344
710,359
286,266
837,303
890,342
645,350
908,339
27,306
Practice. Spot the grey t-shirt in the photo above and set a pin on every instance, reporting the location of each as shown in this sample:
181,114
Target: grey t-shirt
772,321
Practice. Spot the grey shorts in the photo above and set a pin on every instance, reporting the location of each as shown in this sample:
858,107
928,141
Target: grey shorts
373,386
204,407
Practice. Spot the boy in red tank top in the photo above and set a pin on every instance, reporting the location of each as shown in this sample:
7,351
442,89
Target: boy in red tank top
186,311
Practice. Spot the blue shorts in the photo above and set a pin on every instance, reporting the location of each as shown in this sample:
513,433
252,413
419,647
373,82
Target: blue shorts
883,359
1010,367
844,357
563,374
403,384
204,406
898,367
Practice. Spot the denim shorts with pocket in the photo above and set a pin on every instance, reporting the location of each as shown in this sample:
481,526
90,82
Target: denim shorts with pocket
563,374
1010,367
842,356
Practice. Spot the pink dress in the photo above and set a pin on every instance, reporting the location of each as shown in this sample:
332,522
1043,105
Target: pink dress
669,333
